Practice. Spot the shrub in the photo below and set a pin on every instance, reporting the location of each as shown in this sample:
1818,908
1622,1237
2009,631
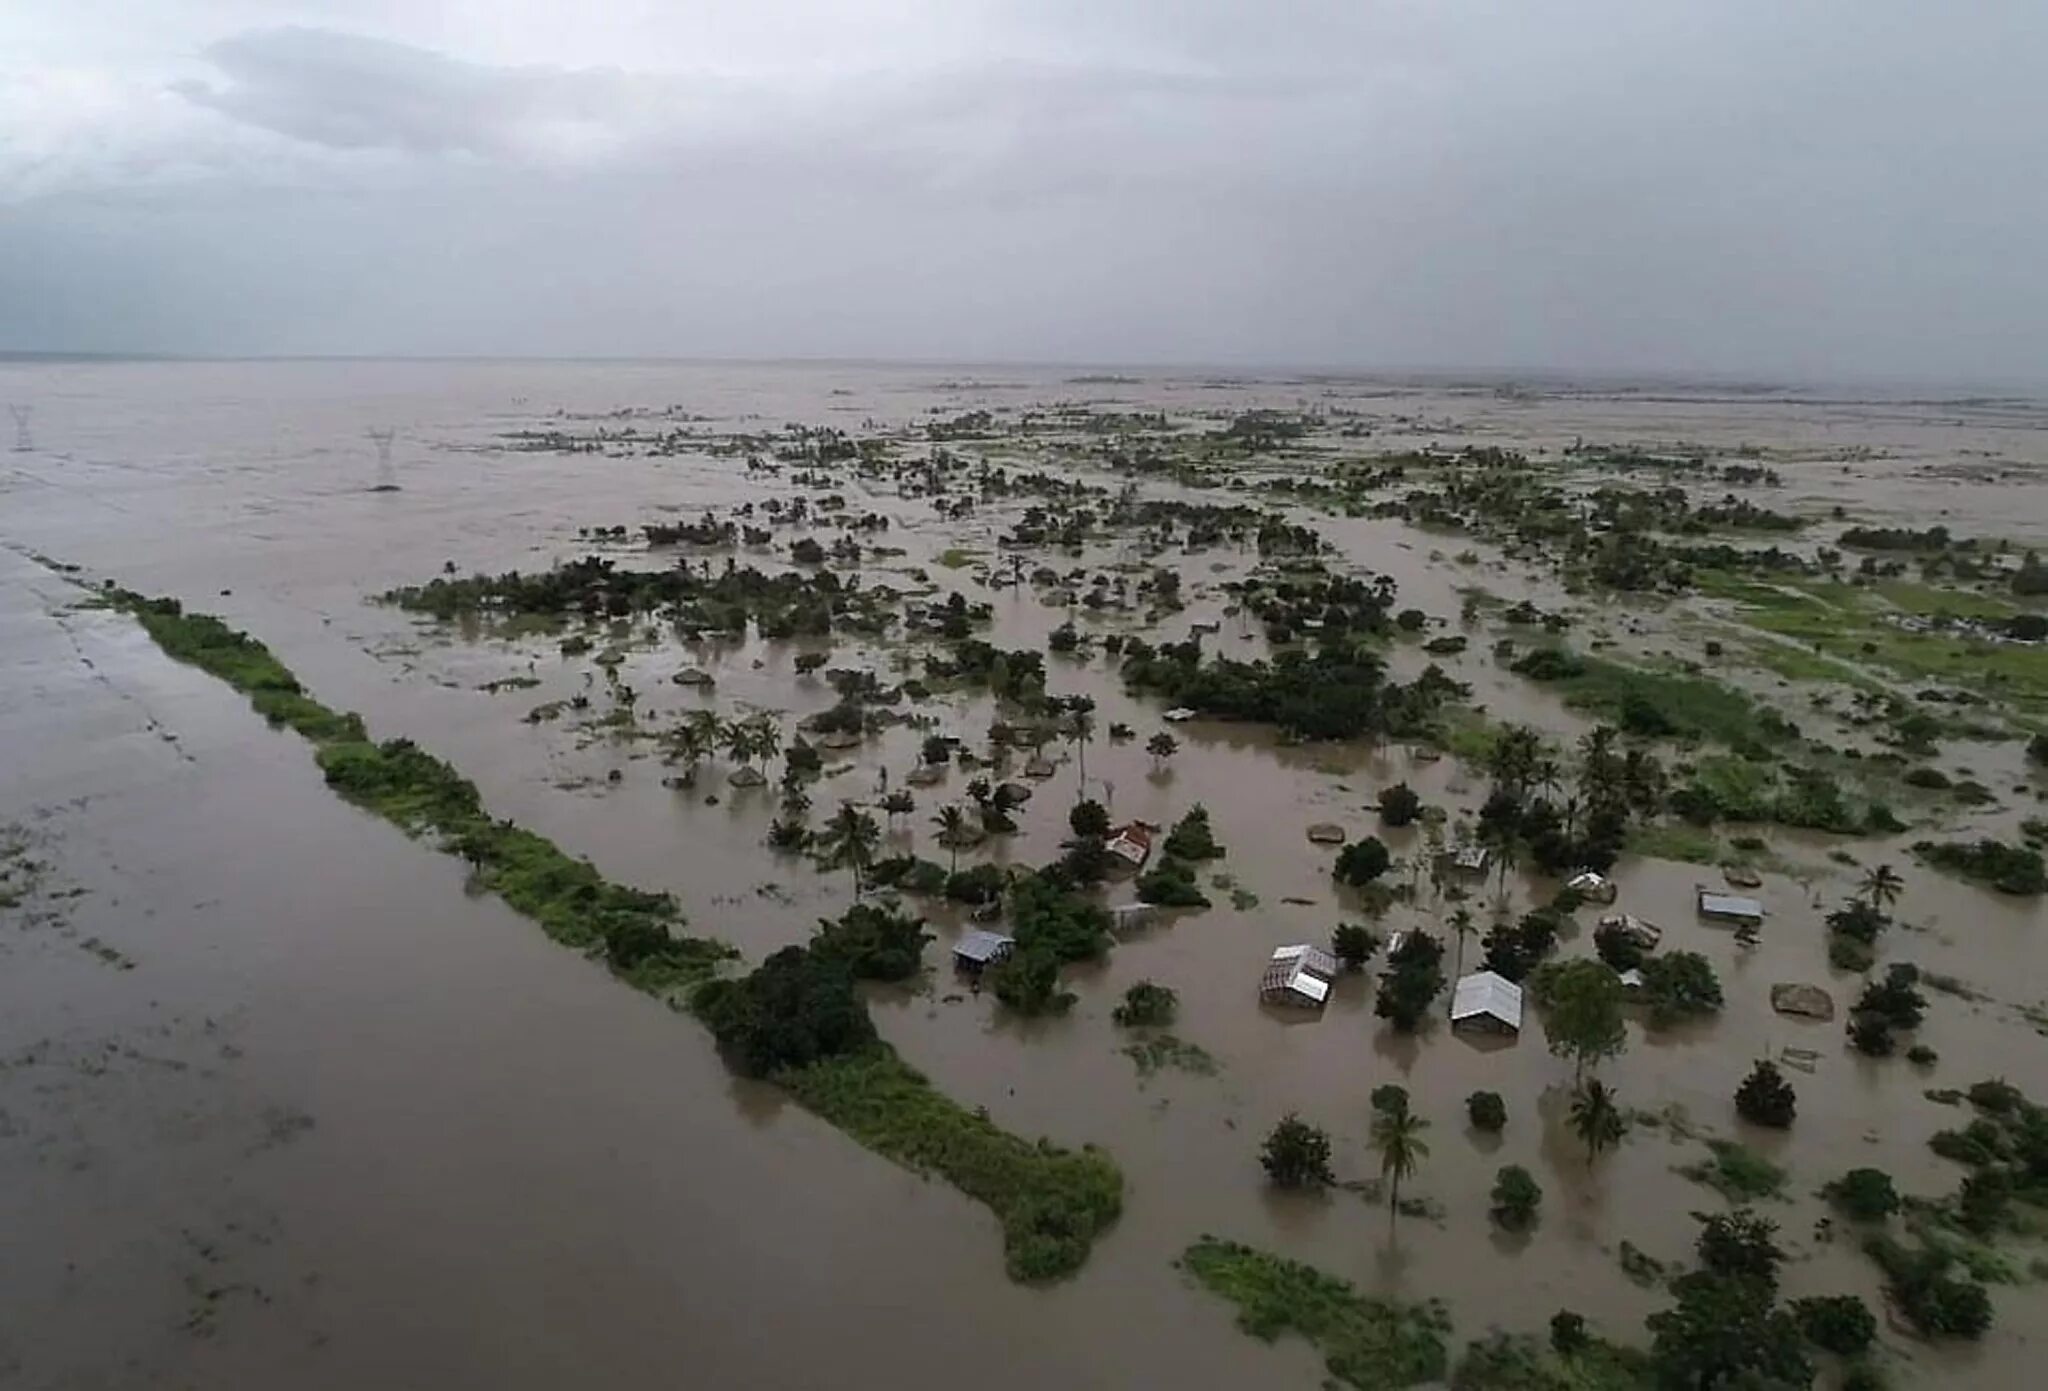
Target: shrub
1028,981
1741,1245
1353,944
1171,884
1680,985
1191,839
1296,1154
1487,1112
1766,1098
1933,1301
1361,862
1399,805
1146,1005
2012,869
1867,1195
1516,1197
1837,1323
1568,1333
1983,1200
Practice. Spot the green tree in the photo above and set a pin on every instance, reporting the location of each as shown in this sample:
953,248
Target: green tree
1596,1119
1397,1136
1837,1323
1361,862
1766,1098
1462,926
1516,1196
1867,1195
1162,746
1296,1154
1352,944
1881,887
1399,805
1089,818
952,824
848,841
1487,1112
1582,1015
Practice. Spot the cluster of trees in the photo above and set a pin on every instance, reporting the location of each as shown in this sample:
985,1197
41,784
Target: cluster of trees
1727,1327
1053,925
2012,869
1886,1007
1171,882
1339,692
1361,862
1147,1006
1528,812
1853,929
1413,979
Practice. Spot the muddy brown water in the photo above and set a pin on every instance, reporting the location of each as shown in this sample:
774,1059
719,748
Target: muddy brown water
338,1122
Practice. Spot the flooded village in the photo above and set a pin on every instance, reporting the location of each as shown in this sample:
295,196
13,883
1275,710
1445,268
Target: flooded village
637,872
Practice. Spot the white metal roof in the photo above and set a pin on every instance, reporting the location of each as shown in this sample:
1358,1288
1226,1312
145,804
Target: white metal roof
1307,958
1587,879
1316,989
1485,993
1730,905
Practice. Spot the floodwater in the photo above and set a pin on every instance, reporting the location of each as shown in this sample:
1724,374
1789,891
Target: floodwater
282,1105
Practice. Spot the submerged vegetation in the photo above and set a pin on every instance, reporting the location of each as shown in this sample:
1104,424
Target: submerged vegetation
795,1019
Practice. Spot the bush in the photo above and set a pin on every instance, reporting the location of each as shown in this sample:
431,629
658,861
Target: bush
873,943
1568,1333
1487,1112
1516,1197
1399,805
1679,985
1414,979
1296,1154
2012,869
1146,1006
1867,1195
1353,944
1837,1323
1933,1301
1766,1098
1740,1245
1028,981
1171,884
976,884
1191,839
1361,862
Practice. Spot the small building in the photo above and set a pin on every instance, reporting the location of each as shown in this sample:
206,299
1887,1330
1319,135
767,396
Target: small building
1396,939
1730,908
1125,916
1470,859
1631,980
1593,887
1132,844
1179,714
1644,934
1484,1000
980,949
1298,975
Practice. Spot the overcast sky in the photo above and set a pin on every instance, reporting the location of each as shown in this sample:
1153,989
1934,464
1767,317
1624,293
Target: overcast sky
1821,189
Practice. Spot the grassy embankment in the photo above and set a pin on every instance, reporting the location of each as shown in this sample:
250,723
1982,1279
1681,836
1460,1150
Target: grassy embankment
1051,1202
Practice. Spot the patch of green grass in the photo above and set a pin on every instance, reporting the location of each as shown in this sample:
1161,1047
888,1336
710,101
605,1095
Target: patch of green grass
1052,1202
956,557
1676,841
1517,1362
1366,1342
1737,1172
1656,704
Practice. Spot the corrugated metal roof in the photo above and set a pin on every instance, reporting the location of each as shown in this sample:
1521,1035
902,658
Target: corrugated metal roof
980,945
1730,905
1485,993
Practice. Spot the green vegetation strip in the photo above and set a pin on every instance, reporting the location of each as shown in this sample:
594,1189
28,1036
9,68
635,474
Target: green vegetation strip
1052,1202
1365,1342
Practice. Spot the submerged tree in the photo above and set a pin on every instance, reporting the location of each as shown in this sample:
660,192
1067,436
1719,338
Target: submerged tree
1296,1154
1162,746
849,840
1881,887
1597,1119
1397,1136
952,824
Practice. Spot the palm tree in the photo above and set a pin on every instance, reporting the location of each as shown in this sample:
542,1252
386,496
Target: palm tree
1462,924
952,824
1881,887
767,737
1080,730
849,839
1516,755
1596,1119
687,744
898,803
1162,746
1397,1135
705,729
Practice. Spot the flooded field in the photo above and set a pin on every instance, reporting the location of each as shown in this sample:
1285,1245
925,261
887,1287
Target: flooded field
287,1099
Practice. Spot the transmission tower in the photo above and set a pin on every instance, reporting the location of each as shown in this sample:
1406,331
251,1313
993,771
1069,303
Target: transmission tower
23,441
387,476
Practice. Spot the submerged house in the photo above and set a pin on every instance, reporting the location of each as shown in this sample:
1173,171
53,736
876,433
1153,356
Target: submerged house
1132,844
978,950
1470,859
1592,886
1486,1001
1298,975
1730,908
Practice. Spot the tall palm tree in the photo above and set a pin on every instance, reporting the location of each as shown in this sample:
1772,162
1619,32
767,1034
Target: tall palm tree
849,839
1463,926
1397,1135
952,824
1599,769
1881,887
767,737
1596,1119
706,730
1080,730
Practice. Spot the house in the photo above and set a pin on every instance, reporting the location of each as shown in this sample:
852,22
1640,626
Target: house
1125,916
1298,975
1178,714
1132,844
1487,1001
1593,887
1631,980
1730,908
1470,859
1644,934
980,949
